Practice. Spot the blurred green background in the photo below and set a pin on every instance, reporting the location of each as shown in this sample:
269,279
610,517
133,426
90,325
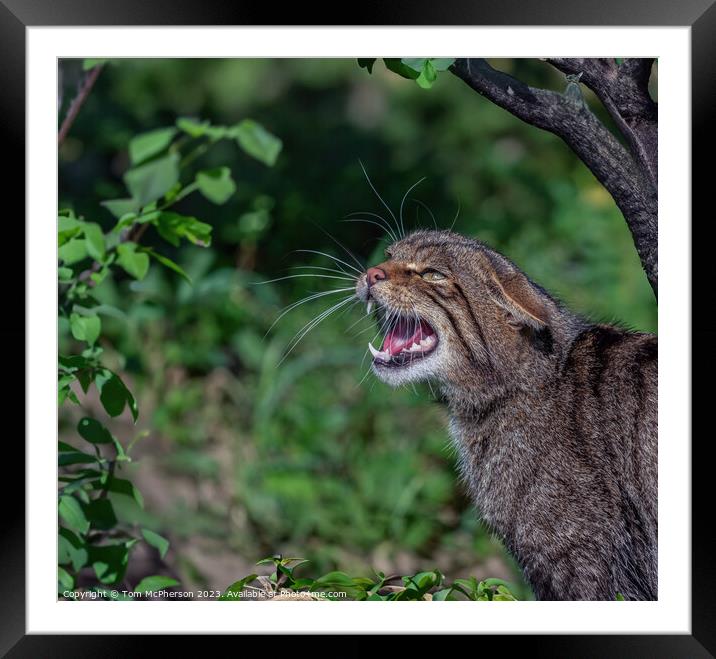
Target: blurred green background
244,455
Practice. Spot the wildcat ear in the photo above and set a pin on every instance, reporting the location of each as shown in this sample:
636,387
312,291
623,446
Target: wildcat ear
524,304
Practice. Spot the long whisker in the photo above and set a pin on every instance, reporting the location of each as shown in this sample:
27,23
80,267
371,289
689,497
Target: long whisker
269,281
361,365
350,307
388,234
318,267
397,226
330,256
312,324
383,222
405,196
362,331
313,296
343,247
456,214
352,325
381,330
427,208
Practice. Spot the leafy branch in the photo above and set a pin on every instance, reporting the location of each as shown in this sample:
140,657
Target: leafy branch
283,583
90,533
629,173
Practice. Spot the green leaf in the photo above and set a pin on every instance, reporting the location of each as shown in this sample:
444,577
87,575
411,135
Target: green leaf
109,561
65,579
67,227
619,597
167,263
121,207
415,64
128,219
427,76
149,144
65,275
85,328
173,227
216,133
100,513
152,584
216,184
233,592
257,141
71,512
366,63
135,263
442,64
267,561
337,580
71,549
67,223
95,241
75,457
294,561
72,363
192,127
397,66
114,395
121,486
160,543
73,251
302,583
150,181
93,431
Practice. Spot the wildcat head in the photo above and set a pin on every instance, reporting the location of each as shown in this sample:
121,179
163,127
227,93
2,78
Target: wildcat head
455,310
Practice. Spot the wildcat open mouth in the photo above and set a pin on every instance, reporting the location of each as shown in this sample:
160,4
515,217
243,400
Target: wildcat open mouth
407,341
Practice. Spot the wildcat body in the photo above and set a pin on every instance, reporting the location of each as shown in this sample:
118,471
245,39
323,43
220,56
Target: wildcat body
554,418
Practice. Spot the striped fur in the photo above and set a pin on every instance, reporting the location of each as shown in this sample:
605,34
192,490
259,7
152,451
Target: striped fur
554,418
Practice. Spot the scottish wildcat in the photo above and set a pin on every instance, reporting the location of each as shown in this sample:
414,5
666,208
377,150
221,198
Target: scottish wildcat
555,419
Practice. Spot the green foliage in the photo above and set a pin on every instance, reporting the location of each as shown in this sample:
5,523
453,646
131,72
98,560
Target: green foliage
216,184
301,456
149,144
423,70
257,141
336,585
91,534
152,584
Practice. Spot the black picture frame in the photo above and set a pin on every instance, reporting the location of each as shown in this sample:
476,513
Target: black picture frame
700,15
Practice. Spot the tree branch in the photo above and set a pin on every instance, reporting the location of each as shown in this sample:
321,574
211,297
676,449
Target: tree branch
610,162
78,102
624,92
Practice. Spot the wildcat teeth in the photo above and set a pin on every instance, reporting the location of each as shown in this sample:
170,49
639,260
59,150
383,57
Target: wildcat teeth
378,354
369,307
386,356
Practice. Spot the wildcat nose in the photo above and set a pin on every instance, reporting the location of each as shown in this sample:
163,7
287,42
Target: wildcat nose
374,274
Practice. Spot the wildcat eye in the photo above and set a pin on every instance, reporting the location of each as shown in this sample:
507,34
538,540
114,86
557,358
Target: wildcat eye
432,275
